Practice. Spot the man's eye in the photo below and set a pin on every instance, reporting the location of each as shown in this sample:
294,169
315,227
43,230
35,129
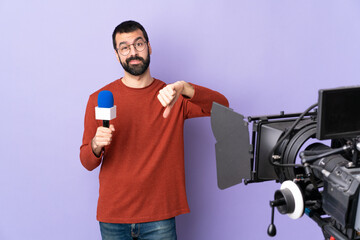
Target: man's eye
123,48
139,44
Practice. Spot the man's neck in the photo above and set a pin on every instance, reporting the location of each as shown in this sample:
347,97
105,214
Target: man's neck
141,81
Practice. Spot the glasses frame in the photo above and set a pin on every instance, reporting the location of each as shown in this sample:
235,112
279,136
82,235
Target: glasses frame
133,44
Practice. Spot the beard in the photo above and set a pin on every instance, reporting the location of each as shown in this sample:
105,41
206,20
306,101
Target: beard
137,69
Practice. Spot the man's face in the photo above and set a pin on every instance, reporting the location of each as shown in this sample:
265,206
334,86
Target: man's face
135,62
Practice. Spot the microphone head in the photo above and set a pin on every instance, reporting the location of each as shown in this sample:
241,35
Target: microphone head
105,99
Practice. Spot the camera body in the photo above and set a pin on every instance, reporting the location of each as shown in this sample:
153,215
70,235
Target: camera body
321,179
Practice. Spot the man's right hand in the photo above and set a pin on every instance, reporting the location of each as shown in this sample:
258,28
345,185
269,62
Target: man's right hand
101,139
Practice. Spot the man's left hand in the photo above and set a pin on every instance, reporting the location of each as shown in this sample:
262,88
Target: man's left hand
170,94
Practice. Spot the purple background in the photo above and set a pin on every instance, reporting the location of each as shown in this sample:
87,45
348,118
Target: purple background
263,55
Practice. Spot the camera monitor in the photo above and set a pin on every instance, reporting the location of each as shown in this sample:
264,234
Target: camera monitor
338,113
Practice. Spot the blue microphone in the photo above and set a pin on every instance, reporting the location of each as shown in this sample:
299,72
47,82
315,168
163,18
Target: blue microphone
105,110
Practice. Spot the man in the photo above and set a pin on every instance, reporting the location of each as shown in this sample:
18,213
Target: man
142,180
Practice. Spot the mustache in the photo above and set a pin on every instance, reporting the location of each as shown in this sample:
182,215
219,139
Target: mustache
135,58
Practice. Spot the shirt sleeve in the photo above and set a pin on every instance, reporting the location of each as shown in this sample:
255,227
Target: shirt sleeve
201,103
87,157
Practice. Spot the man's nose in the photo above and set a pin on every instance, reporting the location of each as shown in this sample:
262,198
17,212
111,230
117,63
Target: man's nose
132,50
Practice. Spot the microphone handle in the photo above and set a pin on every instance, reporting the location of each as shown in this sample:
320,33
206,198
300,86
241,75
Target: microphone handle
106,123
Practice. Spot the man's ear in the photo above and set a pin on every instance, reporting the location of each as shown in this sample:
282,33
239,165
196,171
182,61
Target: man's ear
149,46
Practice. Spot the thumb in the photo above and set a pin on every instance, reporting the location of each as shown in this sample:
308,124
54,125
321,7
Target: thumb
167,111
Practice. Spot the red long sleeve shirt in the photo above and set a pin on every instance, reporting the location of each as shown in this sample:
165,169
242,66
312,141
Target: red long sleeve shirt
142,175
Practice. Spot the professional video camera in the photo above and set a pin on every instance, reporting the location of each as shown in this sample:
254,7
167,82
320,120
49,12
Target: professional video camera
322,182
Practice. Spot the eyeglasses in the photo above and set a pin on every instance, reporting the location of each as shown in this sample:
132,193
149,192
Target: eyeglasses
124,49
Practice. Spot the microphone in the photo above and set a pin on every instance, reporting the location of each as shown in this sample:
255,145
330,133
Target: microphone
105,110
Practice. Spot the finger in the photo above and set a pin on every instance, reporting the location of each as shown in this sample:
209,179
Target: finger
171,92
104,144
166,96
166,111
103,130
107,137
103,138
170,89
161,99
170,98
172,103
112,128
103,135
102,141
99,136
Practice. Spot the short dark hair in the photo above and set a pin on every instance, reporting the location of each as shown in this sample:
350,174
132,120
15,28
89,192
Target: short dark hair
127,27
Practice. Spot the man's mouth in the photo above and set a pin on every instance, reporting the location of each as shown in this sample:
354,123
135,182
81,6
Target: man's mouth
134,62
